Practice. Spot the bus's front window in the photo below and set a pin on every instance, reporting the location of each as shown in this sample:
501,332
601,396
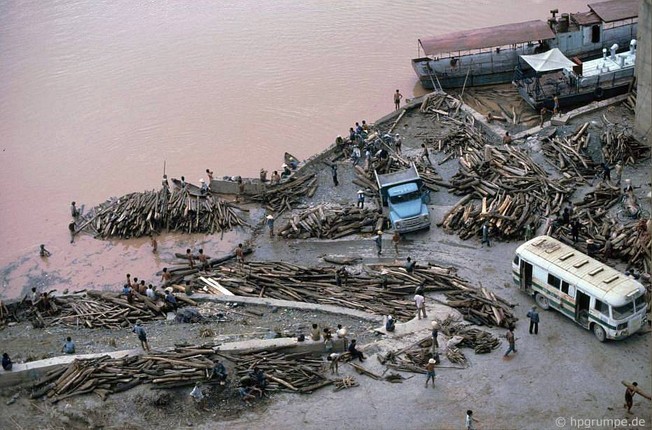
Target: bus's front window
622,312
640,302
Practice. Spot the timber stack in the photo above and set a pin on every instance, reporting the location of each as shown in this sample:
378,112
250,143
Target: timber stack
480,341
330,223
568,155
150,212
290,372
482,307
99,309
287,195
618,144
513,189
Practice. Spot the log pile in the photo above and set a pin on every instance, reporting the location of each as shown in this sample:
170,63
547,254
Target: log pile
438,103
515,192
97,309
364,292
290,372
367,180
568,155
104,376
149,212
618,144
462,138
480,341
330,223
285,196
344,383
456,356
482,307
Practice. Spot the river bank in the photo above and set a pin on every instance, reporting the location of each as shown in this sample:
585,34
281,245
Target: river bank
563,361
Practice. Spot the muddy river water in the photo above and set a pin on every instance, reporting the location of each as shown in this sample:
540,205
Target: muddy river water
96,95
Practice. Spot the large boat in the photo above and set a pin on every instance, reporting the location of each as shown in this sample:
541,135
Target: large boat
488,56
542,77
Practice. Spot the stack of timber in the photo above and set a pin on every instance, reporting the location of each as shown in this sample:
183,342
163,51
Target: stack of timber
461,138
412,358
456,356
480,341
568,155
291,372
515,192
149,212
482,307
630,242
283,197
331,223
104,376
618,144
438,103
98,309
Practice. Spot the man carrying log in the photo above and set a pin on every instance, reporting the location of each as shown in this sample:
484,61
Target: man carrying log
142,335
630,392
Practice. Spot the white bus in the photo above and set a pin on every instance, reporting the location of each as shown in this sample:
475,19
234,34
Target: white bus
594,295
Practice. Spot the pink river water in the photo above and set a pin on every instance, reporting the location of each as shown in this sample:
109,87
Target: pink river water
96,95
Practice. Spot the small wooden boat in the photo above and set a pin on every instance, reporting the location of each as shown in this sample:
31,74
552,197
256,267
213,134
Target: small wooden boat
488,56
542,77
290,160
193,190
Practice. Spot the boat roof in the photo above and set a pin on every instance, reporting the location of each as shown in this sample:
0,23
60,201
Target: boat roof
548,61
590,275
586,18
616,10
487,37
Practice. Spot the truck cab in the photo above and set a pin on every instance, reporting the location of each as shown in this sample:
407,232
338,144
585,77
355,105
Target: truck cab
404,197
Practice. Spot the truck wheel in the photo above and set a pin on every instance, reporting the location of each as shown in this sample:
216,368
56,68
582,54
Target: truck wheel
599,332
542,301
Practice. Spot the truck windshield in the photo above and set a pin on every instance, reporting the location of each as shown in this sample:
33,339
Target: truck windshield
622,312
415,195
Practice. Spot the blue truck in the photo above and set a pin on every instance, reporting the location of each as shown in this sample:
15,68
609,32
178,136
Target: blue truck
404,199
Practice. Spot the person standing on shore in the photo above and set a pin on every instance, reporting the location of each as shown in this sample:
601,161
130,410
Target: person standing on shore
360,199
44,252
396,238
533,315
430,369
191,259
203,260
468,422
425,154
420,303
153,243
209,173
142,335
239,255
397,100
398,143
511,339
74,212
270,225
71,228
334,173
379,243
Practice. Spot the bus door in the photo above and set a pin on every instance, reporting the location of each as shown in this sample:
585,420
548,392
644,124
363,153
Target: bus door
582,301
526,276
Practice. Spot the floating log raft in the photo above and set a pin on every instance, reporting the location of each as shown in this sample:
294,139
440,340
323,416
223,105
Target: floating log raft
330,223
287,195
149,212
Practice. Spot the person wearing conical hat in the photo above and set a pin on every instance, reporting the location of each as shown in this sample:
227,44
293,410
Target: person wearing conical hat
430,369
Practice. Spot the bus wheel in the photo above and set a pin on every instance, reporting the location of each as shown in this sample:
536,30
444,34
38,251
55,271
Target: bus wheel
598,331
542,301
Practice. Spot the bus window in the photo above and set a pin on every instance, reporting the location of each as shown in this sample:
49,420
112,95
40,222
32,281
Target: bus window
564,287
553,281
516,260
640,302
603,308
622,312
